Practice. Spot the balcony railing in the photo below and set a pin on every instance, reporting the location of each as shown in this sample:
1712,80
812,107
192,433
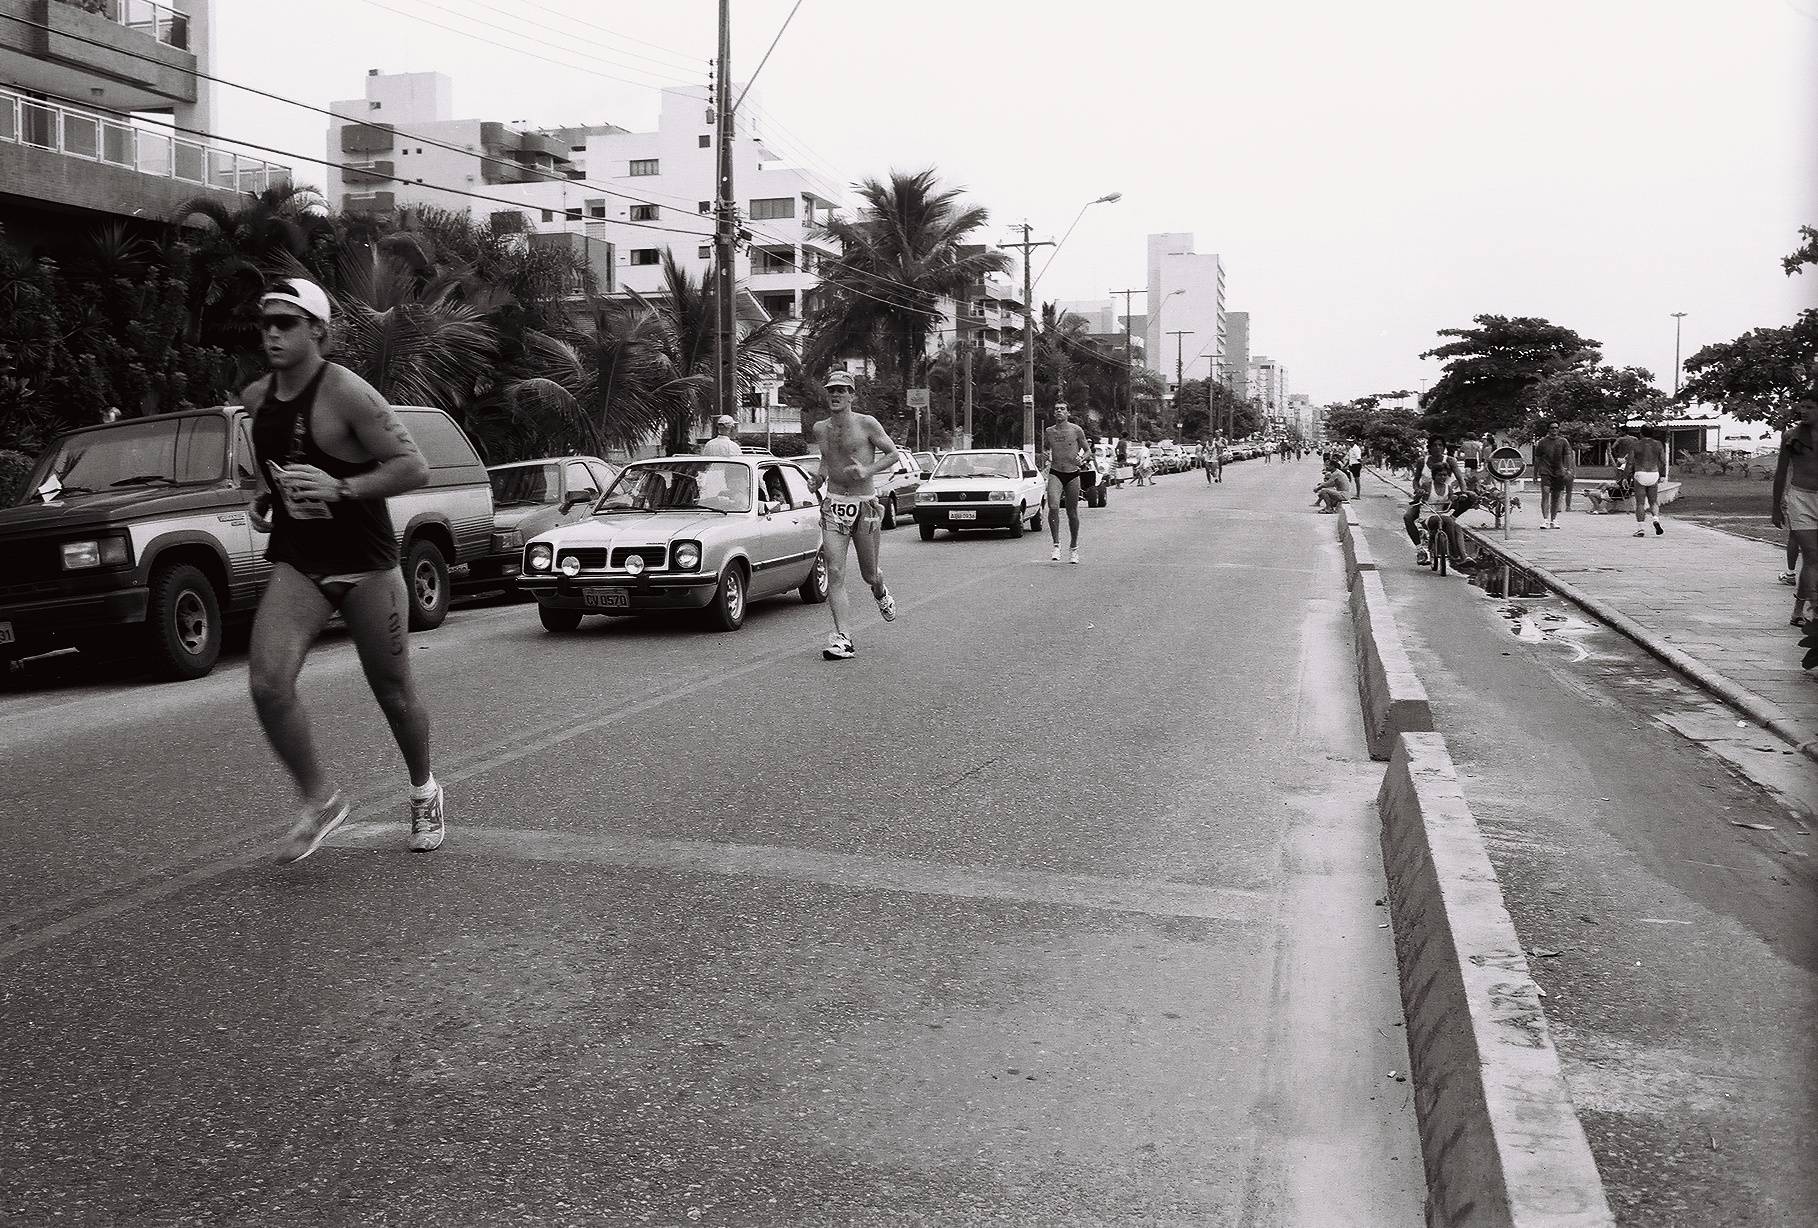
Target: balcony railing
114,142
160,21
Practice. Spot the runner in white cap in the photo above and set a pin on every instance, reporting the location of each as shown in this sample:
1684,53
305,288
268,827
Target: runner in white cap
722,443
854,448
333,451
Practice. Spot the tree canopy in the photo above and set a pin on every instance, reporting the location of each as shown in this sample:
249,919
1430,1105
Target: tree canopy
1490,370
1762,375
1590,403
1391,431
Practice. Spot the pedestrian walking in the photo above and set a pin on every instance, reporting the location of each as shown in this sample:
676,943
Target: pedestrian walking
1796,504
1553,467
333,451
1214,453
1354,465
1069,453
854,449
723,443
1145,470
1649,461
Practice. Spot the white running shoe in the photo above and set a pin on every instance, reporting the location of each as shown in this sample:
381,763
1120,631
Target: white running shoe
1055,557
316,825
426,828
838,647
1074,557
886,605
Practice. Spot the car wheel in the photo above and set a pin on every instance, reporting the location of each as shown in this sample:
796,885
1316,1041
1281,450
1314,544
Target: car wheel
1016,526
889,512
927,531
183,621
1041,513
426,576
554,618
728,609
815,588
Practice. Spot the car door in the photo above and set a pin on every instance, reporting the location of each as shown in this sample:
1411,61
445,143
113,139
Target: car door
804,523
246,543
578,479
772,534
1033,489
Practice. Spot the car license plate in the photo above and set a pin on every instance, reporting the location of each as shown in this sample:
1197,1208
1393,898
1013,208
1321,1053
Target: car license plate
606,598
962,515
6,633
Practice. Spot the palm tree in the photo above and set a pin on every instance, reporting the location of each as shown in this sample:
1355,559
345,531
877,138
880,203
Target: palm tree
404,327
899,257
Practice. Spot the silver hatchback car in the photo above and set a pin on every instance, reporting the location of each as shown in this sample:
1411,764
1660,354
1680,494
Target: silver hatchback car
683,533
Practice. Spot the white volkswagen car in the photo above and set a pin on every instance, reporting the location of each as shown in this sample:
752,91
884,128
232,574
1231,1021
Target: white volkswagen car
984,488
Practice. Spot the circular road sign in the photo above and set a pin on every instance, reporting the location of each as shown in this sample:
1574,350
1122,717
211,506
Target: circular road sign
1506,463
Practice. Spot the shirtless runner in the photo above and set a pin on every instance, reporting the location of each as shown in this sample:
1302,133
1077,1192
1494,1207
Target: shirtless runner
332,451
854,448
1069,452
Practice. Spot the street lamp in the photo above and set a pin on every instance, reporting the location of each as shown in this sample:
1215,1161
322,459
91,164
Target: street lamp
1028,245
1107,198
1678,318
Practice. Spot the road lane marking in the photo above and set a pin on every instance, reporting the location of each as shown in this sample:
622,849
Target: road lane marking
37,926
848,871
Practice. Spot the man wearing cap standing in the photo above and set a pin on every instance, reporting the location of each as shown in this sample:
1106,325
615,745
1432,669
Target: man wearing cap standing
333,451
722,443
854,448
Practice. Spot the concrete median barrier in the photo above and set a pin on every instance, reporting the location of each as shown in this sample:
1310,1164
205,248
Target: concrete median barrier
1500,1141
1358,556
1394,701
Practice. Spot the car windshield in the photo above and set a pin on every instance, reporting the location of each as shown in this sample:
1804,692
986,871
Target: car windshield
154,452
667,485
524,484
977,465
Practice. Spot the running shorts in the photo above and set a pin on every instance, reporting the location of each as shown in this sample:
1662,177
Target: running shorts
1801,508
846,514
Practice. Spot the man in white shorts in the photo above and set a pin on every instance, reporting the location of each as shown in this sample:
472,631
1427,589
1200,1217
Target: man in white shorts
1796,504
1649,458
854,448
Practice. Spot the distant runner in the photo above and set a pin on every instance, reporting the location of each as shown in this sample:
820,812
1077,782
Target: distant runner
1796,504
1649,460
333,451
1069,452
854,448
1553,466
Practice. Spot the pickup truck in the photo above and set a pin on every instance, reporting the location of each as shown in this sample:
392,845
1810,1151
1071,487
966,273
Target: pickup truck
142,528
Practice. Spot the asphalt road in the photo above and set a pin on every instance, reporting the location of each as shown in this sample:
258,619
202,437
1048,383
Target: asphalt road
1055,906
1657,856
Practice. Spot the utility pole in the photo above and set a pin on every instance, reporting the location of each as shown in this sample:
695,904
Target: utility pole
1028,337
725,235
1177,334
1678,317
1129,363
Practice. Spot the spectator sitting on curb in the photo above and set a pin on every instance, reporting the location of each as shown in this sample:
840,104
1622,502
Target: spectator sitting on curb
1334,488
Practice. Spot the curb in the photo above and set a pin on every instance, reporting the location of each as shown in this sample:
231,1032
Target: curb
1358,556
1394,701
1763,711
1500,1141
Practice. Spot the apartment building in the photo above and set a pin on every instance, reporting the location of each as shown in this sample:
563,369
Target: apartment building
1300,414
1234,370
105,115
1269,388
1185,336
636,193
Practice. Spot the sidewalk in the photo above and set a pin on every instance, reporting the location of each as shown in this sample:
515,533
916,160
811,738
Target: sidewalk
1696,593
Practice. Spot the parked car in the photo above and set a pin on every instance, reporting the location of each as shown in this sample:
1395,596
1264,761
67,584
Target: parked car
982,488
683,533
925,463
142,528
531,497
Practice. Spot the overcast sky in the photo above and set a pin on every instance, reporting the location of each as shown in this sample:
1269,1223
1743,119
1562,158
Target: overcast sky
1370,172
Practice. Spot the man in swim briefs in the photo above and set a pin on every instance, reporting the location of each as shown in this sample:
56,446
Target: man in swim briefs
1069,453
854,448
332,451
1649,459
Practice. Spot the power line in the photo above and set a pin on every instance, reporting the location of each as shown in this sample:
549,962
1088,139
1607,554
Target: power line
692,64
581,21
760,68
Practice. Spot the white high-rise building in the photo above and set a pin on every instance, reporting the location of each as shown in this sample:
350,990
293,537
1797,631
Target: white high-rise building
1269,387
1186,310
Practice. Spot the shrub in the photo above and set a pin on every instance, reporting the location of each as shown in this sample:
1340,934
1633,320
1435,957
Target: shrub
14,468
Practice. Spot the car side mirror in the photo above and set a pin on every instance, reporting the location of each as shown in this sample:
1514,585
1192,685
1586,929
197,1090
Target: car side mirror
770,507
927,474
577,497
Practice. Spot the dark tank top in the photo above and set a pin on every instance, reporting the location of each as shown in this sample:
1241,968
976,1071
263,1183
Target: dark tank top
356,535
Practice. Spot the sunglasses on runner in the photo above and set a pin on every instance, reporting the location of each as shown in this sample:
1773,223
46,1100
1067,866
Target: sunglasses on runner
282,323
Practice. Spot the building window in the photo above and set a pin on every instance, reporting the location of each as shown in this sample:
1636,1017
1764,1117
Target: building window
596,207
645,255
706,252
711,118
773,207
645,213
706,141
644,166
763,261
573,215
549,215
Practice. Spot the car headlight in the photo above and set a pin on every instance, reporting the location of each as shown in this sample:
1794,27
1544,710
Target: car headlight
94,552
685,556
510,539
1002,496
538,557
570,565
926,496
